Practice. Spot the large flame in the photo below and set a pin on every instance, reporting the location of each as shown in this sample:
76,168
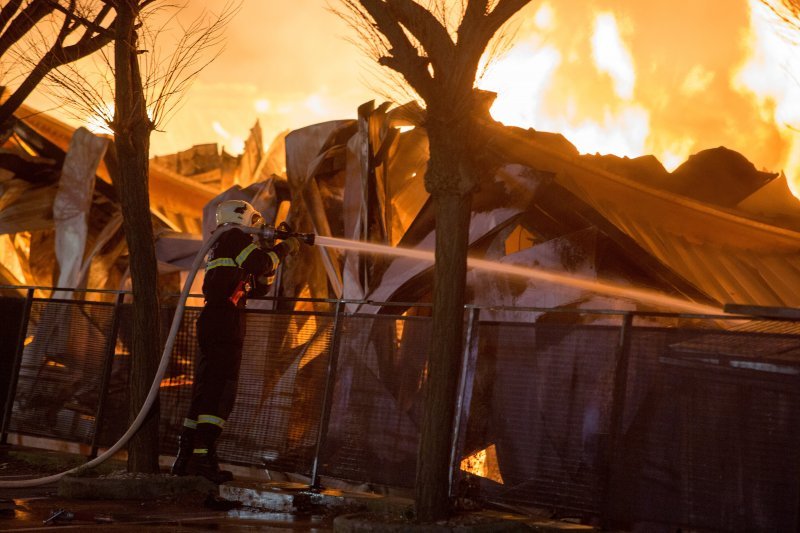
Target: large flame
662,78
483,463
526,75
772,75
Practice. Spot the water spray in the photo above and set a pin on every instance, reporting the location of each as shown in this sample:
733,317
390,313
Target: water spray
559,278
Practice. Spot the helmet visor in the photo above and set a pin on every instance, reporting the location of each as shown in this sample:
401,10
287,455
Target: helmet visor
256,220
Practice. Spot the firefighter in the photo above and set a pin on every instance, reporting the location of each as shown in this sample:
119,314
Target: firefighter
237,267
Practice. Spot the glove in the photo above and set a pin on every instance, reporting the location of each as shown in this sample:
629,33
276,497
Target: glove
288,246
294,245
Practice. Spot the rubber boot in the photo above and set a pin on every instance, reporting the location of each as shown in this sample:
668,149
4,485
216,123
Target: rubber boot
205,464
204,457
185,448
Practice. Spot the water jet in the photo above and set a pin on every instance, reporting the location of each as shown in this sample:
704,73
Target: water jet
549,276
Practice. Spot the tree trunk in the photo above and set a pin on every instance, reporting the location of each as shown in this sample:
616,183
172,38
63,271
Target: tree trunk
449,181
132,130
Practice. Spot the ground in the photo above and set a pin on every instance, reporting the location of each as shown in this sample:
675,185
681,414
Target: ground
28,509
200,508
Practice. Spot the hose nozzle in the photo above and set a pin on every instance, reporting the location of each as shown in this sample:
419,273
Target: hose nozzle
283,232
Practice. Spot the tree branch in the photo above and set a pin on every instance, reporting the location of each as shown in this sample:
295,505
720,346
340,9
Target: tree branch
52,59
23,23
65,28
474,13
83,48
7,12
477,30
92,25
503,11
425,27
404,57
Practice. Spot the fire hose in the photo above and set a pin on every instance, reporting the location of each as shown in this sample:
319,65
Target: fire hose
265,232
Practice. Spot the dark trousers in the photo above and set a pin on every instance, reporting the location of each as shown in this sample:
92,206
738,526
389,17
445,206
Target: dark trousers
220,333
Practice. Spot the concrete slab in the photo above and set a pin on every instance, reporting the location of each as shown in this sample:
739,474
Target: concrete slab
288,497
367,512
267,496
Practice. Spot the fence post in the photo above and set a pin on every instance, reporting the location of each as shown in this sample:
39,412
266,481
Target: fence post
108,365
327,399
15,367
617,410
464,398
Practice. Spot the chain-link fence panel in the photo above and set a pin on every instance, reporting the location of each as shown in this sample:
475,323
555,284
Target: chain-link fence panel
540,413
175,387
175,392
707,433
275,421
373,432
59,382
710,431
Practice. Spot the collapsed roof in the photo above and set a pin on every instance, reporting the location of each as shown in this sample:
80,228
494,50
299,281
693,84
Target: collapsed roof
714,231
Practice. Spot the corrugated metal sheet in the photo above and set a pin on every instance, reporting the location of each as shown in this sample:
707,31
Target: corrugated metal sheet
729,257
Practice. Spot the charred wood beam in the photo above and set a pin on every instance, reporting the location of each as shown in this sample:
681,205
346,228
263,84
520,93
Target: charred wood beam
37,142
29,169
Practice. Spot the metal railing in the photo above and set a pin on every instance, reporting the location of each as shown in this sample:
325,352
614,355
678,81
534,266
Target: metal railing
681,419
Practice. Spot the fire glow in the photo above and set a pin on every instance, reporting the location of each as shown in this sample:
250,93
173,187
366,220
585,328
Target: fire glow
603,79
625,78
483,463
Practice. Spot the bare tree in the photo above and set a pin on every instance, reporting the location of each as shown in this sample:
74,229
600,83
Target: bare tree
34,37
145,89
439,59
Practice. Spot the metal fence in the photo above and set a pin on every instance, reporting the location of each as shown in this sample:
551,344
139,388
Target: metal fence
690,421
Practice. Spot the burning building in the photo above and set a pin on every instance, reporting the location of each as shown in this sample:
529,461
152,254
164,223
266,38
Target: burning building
551,230
714,231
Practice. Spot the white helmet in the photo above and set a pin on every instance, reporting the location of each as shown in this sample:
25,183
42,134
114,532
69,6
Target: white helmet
238,212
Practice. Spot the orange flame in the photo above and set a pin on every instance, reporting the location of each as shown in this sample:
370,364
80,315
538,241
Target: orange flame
484,464
176,381
628,78
655,78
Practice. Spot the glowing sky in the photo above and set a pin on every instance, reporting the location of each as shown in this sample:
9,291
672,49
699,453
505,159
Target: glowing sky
629,77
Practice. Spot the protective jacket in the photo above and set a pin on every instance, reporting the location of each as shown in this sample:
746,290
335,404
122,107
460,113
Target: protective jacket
237,267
